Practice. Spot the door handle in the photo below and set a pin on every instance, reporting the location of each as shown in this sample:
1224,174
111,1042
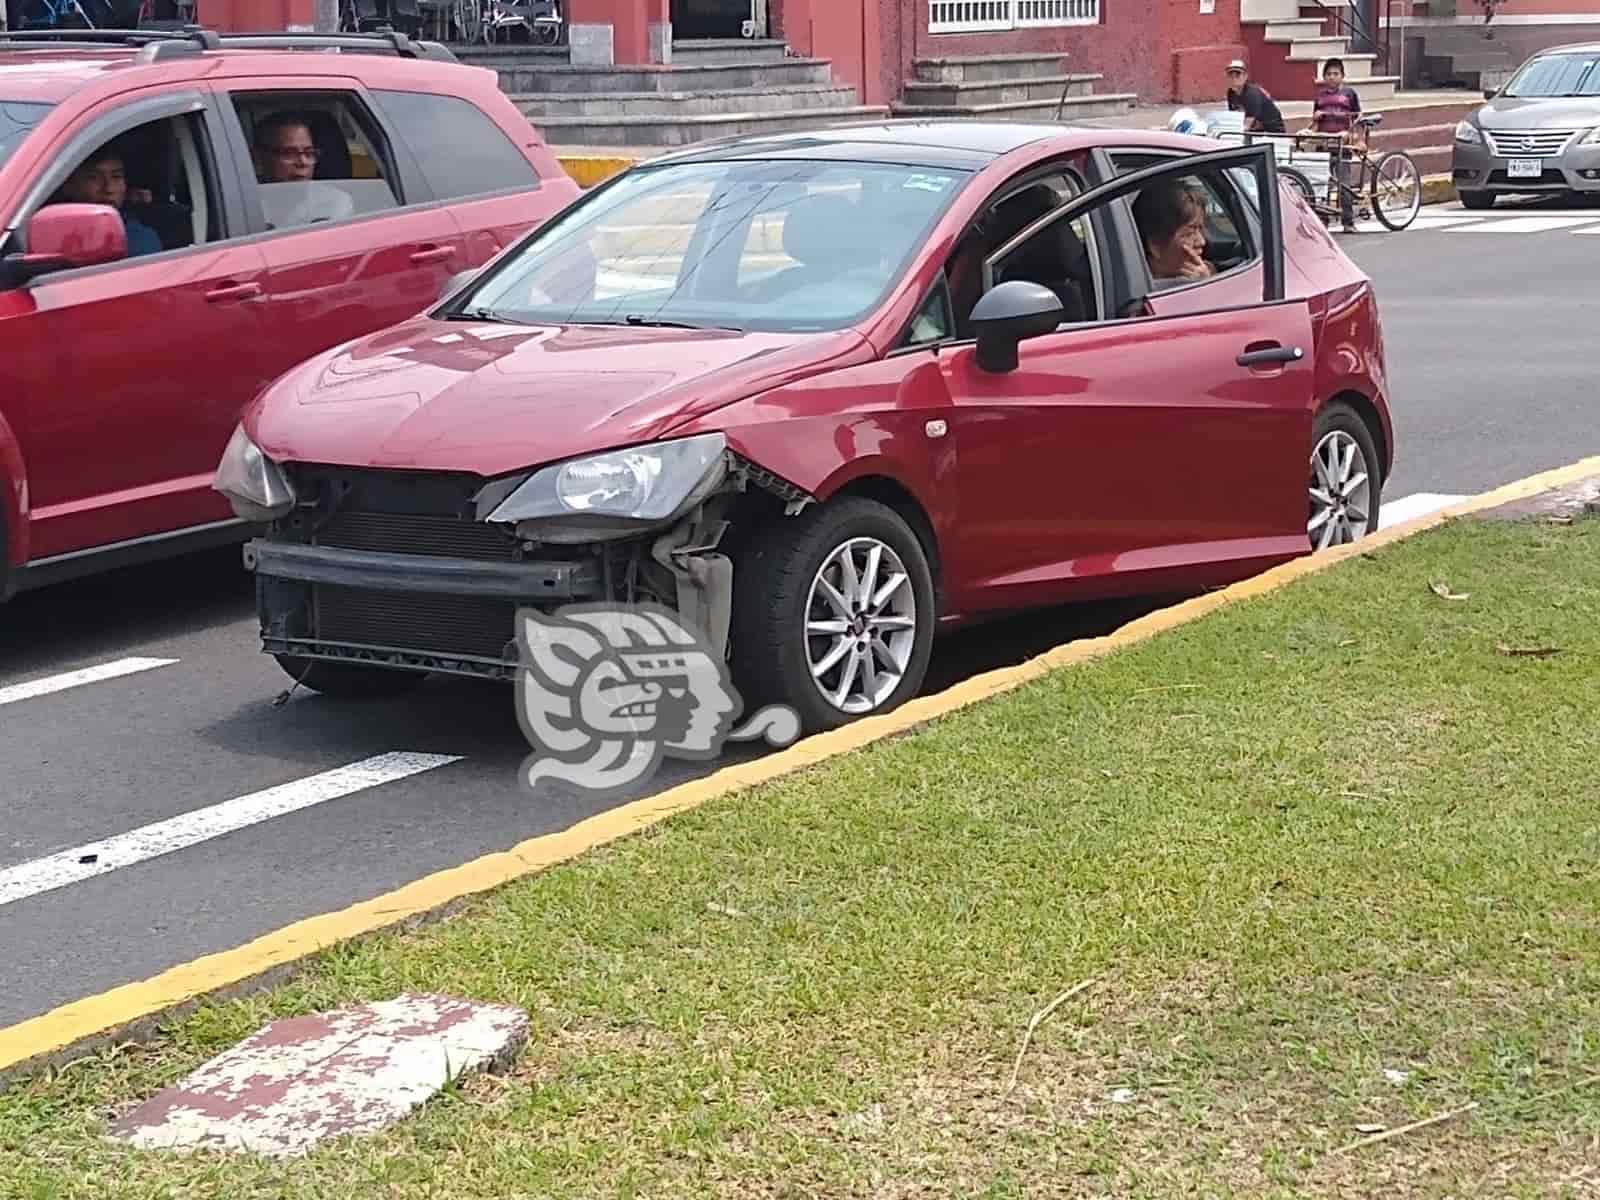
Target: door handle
234,291
433,254
1270,354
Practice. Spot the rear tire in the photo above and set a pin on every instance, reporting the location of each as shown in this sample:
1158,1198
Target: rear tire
1476,200
1301,184
780,600
348,681
1342,507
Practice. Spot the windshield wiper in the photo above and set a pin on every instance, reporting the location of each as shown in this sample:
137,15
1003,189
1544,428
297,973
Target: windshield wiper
654,323
483,314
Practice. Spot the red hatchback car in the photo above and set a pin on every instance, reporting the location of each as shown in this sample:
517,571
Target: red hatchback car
187,216
825,394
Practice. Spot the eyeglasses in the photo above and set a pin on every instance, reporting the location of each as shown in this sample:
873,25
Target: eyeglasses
309,153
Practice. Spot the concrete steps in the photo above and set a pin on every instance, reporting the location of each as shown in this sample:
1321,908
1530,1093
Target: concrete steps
540,107
686,129
520,78
1006,87
690,52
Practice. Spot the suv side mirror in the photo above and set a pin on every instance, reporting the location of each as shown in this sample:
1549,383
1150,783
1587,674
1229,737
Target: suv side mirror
63,236
1010,313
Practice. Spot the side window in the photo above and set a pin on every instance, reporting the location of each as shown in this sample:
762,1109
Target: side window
933,322
1191,228
462,151
1060,255
318,157
161,176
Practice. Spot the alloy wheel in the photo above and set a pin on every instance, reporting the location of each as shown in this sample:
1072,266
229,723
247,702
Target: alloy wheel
1341,491
861,625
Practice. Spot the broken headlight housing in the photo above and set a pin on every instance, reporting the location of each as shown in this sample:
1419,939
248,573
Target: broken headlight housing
614,494
254,484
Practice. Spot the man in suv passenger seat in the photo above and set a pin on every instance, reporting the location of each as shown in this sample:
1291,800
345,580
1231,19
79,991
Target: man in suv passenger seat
287,153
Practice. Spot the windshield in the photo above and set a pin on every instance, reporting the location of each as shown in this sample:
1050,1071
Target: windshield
17,120
1557,75
776,246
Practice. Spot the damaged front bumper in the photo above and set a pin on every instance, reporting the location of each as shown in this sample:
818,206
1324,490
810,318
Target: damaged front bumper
368,579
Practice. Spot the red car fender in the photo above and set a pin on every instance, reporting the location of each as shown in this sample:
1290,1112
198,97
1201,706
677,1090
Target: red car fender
1350,360
13,501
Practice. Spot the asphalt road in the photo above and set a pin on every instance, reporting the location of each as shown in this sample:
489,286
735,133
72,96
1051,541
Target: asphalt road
1486,336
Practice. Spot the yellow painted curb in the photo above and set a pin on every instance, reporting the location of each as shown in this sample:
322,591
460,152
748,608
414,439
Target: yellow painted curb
125,1011
590,169
1437,189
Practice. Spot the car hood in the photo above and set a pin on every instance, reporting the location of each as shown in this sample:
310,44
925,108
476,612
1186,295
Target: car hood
493,398
1563,113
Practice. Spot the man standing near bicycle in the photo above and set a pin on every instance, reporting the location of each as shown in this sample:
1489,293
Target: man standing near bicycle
1261,114
1334,111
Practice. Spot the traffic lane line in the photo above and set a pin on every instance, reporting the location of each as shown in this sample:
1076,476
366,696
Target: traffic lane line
108,931
34,688
200,825
132,611
133,1008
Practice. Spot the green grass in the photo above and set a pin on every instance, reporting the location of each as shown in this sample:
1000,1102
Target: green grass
1309,839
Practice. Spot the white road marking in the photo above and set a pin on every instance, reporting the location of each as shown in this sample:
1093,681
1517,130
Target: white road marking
1526,225
60,683
188,829
1408,508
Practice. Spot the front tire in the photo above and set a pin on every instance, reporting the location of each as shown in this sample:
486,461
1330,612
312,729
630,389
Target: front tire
348,681
1346,480
1476,200
833,614
1396,175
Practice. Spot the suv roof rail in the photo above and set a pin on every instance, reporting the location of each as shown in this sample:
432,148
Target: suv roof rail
158,44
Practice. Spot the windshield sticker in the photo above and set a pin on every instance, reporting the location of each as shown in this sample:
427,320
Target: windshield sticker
926,183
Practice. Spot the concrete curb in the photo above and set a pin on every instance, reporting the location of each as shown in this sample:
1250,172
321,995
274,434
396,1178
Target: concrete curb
135,1011
1438,189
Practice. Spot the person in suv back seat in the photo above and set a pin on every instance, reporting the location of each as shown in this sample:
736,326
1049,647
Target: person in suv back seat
288,154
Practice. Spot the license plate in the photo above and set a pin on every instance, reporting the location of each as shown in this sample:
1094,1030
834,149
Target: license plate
1525,168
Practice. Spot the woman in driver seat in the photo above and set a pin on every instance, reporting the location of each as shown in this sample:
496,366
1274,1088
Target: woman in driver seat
1172,228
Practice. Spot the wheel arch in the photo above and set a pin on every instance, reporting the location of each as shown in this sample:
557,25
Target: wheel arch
891,493
1368,412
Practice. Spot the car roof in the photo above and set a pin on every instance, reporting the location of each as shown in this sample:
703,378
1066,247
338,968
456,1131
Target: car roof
952,142
1567,48
49,66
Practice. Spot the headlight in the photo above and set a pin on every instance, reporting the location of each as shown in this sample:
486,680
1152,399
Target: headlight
614,494
1592,137
251,481
1466,131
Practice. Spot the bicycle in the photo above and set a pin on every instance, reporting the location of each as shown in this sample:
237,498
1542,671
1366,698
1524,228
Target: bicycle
1382,178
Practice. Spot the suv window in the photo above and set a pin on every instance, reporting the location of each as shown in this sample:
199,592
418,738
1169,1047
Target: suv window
17,120
161,175
461,151
318,157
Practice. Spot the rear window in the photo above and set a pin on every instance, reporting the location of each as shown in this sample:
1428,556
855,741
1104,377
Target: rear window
17,120
461,151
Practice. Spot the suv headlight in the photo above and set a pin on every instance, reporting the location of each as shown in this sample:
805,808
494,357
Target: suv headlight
254,484
1467,132
614,494
1592,137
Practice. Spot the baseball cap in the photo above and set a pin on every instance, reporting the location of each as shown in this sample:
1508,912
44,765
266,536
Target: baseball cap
1236,65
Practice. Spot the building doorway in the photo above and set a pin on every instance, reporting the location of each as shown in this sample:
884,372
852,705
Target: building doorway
693,19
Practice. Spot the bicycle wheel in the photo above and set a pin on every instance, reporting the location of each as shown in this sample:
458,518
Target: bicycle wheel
1396,190
1301,184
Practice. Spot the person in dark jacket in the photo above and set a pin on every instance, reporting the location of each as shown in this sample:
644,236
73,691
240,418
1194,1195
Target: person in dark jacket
1261,113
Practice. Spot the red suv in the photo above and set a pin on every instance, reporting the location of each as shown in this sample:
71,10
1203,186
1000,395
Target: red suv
185,217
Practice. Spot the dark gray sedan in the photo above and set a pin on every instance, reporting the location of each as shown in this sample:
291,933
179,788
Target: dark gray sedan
1539,133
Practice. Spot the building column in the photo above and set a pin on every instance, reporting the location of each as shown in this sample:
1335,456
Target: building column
619,32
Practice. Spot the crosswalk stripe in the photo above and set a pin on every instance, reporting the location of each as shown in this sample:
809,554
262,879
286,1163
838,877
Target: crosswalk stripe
1525,225
188,829
1419,504
34,688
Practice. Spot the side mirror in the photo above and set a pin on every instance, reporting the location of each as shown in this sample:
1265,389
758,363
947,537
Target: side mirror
1490,93
1011,313
62,236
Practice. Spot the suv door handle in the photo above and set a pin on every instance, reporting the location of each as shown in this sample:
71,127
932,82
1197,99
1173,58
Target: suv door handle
432,254
234,291
1272,353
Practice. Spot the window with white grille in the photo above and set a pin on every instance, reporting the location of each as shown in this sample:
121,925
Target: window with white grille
982,16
